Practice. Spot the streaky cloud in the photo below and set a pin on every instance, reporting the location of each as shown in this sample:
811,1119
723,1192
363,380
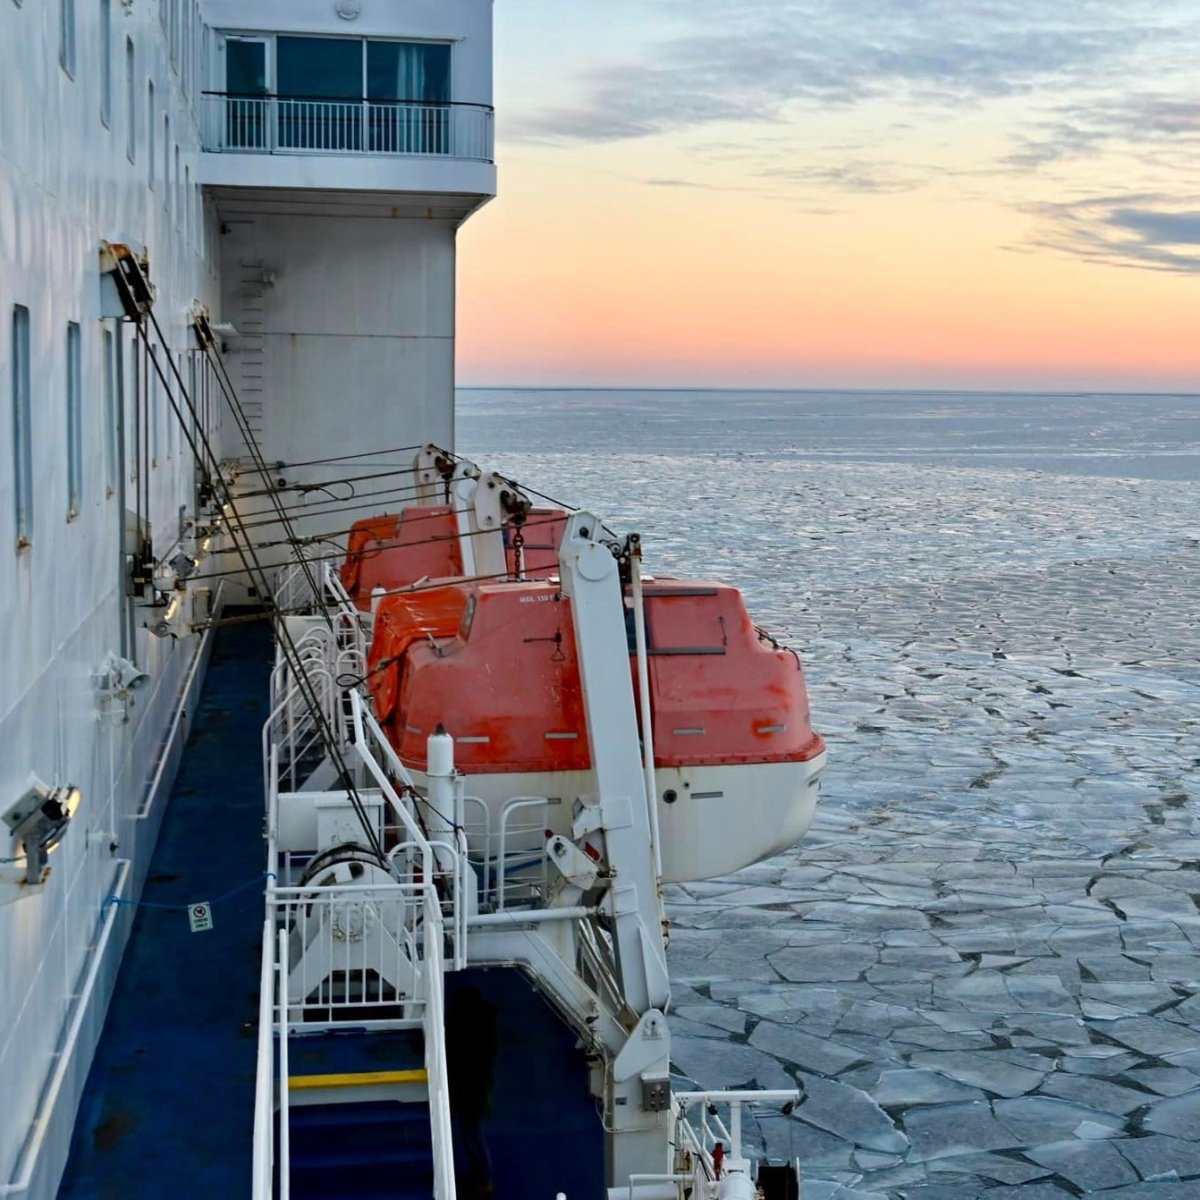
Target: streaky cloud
1153,232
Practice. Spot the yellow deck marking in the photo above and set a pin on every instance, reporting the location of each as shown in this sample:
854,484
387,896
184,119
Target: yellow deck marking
360,1079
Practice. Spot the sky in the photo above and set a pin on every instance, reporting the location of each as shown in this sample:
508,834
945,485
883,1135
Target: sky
840,193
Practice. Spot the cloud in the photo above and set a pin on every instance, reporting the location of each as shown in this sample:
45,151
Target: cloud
757,60
865,178
1140,120
1152,232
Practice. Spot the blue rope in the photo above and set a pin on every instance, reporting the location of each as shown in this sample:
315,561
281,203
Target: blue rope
241,887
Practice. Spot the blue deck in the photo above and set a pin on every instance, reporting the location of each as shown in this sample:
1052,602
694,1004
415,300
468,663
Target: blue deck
168,1108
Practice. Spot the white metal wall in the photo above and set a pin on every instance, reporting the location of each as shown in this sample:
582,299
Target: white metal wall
347,331
65,184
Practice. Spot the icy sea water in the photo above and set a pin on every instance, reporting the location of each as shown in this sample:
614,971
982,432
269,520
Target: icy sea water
983,963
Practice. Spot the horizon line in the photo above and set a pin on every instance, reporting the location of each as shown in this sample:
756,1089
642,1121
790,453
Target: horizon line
852,391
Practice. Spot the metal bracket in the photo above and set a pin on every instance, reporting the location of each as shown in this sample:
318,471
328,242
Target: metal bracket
129,273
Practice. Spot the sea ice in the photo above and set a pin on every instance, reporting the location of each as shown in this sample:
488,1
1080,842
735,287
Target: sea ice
1090,1166
1177,1117
983,1069
947,1130
903,1088
850,1114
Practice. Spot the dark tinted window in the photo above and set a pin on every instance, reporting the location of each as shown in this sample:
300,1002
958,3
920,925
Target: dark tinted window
408,71
321,68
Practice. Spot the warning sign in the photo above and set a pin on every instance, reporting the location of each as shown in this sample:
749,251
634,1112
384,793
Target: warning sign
200,916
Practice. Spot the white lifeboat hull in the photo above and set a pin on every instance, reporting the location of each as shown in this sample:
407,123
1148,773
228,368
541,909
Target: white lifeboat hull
713,820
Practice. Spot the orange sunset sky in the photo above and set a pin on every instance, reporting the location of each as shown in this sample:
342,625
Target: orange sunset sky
857,193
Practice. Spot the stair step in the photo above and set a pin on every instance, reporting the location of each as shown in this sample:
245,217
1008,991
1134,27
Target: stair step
338,1187
377,1154
355,1050
364,1180
381,1114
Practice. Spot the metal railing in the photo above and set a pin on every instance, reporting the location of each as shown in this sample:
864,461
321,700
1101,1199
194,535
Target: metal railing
353,948
697,1132
370,953
300,125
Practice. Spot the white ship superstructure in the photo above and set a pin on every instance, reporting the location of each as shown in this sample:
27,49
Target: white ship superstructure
296,173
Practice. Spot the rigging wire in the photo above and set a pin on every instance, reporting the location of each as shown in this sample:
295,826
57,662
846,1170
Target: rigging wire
361,554
239,416
400,492
338,458
416,519
310,487
254,567
408,590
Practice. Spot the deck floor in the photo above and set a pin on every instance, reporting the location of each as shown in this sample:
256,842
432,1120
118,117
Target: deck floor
168,1108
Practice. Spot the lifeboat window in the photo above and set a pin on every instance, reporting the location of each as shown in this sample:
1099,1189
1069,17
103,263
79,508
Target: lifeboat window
683,621
468,617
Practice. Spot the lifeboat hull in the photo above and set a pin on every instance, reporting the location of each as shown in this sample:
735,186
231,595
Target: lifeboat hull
713,820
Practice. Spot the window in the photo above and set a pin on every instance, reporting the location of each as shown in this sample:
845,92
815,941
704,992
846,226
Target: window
166,162
408,84
22,427
106,61
74,421
151,131
246,86
408,71
315,68
111,422
66,36
322,83
130,102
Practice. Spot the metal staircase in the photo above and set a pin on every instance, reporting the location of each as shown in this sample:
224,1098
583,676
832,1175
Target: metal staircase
359,1121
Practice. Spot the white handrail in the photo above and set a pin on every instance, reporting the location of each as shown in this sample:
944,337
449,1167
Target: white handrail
435,1054
152,790
516,804
285,1163
363,721
264,1107
287,125
65,1061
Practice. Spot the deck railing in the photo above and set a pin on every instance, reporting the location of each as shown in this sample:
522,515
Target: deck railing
300,125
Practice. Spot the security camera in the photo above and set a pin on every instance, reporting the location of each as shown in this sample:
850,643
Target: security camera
39,820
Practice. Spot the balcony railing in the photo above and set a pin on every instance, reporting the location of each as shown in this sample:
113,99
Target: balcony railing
296,125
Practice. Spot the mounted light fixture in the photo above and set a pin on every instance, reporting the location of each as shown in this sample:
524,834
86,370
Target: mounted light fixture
115,680
118,675
38,821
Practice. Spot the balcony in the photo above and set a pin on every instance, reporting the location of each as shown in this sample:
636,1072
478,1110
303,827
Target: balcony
296,125
432,156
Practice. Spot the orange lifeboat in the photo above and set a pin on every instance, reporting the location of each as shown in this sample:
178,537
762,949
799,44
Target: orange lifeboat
736,757
423,542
